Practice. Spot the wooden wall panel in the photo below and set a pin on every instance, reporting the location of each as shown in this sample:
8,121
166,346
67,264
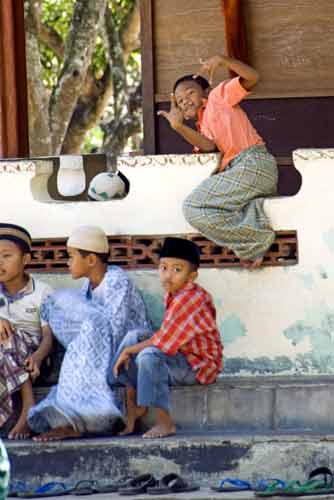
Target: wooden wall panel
13,86
184,32
291,43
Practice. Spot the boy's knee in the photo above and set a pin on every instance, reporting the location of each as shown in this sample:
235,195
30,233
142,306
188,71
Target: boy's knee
148,357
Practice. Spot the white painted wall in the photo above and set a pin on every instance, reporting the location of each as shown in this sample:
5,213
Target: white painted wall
256,309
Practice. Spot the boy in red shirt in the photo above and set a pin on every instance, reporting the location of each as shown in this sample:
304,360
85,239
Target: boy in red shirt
185,350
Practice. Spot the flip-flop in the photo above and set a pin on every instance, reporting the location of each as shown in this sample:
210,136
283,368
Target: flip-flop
138,485
325,473
273,489
298,489
172,483
266,485
230,484
16,487
53,489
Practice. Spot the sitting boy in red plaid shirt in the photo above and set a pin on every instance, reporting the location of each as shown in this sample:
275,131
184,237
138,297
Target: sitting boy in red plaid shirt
185,350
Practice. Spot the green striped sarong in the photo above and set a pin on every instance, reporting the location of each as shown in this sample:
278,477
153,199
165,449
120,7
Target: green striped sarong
227,207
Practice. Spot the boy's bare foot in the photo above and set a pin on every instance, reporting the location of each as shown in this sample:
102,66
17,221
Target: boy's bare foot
160,431
139,412
252,264
20,430
256,263
164,427
58,434
134,412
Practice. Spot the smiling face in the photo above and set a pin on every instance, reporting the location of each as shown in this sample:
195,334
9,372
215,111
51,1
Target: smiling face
12,262
175,273
189,98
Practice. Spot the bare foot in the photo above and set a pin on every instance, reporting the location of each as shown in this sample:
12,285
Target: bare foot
58,434
160,431
139,412
252,264
256,263
164,426
20,430
246,263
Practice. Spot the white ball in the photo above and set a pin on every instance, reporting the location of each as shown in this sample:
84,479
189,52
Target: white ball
106,186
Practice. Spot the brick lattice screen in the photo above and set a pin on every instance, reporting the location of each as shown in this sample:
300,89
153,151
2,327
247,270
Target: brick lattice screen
140,252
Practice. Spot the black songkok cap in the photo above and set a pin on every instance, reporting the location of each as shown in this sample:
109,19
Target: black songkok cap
16,234
179,248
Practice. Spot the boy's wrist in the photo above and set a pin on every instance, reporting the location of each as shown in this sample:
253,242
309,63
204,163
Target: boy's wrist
177,127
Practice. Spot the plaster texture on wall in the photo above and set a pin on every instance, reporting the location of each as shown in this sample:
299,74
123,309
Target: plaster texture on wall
277,320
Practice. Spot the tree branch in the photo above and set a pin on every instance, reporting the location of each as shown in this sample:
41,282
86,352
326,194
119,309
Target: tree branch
130,32
79,47
97,93
51,38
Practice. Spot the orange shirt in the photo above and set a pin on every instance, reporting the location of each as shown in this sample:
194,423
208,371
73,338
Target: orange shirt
223,121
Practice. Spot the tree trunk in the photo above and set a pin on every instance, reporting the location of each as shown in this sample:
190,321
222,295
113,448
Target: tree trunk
78,51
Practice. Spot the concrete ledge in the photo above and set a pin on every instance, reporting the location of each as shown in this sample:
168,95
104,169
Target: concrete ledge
257,404
204,458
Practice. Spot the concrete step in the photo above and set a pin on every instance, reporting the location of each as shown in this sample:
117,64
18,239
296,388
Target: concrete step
248,404
203,457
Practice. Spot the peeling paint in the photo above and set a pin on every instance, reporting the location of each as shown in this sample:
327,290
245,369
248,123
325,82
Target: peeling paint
308,280
155,308
258,366
318,326
232,328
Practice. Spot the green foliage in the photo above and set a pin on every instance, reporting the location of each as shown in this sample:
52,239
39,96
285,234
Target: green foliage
56,15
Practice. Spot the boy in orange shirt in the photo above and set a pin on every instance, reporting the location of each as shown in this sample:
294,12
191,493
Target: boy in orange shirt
228,206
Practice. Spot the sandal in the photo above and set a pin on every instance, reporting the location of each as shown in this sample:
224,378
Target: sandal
53,489
232,485
138,485
16,487
172,483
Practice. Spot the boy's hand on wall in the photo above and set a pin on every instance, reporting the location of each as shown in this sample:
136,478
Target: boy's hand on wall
174,115
33,365
6,330
209,67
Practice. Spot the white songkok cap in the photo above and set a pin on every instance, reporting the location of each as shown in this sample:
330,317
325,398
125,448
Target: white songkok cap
89,238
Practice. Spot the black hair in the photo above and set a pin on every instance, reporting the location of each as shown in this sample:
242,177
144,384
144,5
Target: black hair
104,257
202,82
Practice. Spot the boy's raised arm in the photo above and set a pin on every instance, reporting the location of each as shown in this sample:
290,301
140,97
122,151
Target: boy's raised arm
176,121
249,76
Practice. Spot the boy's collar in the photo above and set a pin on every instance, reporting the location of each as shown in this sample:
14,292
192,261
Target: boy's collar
187,286
26,290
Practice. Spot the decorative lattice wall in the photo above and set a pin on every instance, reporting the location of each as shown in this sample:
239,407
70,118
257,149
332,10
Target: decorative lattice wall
141,252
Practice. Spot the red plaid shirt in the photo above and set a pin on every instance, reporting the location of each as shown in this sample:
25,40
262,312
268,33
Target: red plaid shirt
189,326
